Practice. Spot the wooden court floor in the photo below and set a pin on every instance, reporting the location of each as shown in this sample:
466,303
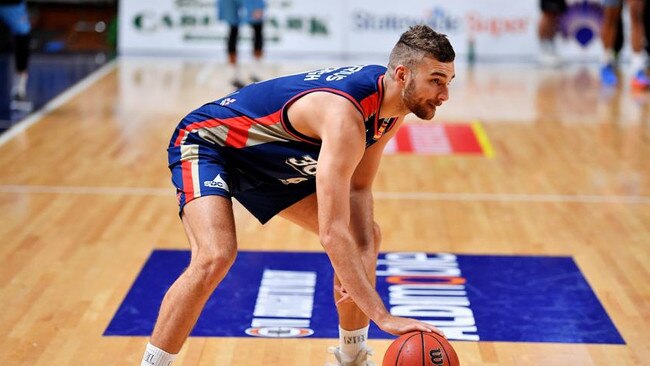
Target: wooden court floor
85,197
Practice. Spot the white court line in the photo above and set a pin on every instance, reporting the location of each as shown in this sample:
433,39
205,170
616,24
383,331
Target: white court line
57,102
409,196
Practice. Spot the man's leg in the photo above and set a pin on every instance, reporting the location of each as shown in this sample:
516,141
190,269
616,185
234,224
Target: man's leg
351,319
233,65
611,16
258,52
547,28
646,27
640,80
210,228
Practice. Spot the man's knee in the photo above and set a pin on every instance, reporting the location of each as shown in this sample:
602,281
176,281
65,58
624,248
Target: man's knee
211,265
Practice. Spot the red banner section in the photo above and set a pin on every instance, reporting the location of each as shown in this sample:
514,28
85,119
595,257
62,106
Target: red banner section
440,139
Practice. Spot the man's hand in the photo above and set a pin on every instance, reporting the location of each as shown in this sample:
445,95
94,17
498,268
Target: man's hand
398,326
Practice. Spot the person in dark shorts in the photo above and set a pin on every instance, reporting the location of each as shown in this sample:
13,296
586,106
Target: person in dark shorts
305,147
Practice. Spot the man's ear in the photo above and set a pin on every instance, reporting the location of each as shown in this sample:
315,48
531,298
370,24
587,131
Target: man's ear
400,74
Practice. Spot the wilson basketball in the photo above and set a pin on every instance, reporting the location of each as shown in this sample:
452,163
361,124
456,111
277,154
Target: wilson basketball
420,349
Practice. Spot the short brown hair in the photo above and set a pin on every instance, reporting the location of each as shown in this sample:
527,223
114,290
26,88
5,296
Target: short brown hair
416,43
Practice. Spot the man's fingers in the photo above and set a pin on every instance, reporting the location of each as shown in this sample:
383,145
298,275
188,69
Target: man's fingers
431,328
345,297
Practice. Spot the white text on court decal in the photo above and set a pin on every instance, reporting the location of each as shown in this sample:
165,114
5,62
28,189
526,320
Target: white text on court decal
284,305
431,289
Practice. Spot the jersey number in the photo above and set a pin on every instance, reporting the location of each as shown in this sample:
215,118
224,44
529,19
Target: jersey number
305,165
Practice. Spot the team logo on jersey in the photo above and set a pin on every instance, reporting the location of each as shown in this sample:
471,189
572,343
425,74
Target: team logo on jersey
382,129
305,165
217,182
294,180
227,101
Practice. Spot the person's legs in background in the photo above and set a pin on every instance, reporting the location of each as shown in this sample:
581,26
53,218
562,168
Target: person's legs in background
17,20
547,29
608,33
646,24
640,79
233,65
258,52
255,17
228,11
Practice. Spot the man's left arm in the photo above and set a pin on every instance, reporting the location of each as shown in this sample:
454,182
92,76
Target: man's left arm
362,222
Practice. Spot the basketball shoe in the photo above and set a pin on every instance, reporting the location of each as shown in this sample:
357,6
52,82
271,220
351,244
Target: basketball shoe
641,80
608,75
20,102
360,360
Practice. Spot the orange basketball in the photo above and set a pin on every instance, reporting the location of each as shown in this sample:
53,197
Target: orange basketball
420,349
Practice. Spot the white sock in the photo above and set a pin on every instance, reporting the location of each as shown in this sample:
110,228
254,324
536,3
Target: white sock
20,84
154,356
548,46
256,69
233,70
609,57
352,341
638,62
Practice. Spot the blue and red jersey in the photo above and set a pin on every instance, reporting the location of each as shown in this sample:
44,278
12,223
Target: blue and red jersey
249,134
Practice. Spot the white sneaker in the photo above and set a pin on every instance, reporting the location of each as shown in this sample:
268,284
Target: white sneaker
360,360
20,103
549,59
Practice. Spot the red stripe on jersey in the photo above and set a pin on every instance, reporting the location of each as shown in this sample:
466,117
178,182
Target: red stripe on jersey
188,184
238,127
369,105
195,126
238,131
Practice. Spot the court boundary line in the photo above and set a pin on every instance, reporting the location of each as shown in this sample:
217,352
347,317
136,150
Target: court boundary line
58,101
411,196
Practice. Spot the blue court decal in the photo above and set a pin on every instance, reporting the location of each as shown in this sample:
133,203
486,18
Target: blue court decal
469,297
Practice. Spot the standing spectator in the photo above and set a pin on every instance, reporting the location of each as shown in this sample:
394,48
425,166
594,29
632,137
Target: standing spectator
14,14
236,12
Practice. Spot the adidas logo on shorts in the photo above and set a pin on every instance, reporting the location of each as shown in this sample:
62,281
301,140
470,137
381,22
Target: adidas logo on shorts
217,182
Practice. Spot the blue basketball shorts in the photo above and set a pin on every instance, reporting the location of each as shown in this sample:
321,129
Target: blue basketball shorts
16,18
202,170
236,12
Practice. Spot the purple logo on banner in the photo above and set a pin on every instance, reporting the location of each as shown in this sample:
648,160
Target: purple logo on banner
582,22
470,297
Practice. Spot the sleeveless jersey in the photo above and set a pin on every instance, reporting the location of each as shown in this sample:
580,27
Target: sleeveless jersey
251,134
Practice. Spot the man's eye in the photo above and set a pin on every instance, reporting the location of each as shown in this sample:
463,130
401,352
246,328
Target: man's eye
436,81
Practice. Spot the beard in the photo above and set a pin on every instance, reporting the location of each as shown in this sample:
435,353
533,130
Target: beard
421,109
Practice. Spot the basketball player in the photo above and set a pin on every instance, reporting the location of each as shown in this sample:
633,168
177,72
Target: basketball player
14,14
306,147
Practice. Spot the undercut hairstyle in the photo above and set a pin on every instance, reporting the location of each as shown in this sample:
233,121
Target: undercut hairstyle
417,42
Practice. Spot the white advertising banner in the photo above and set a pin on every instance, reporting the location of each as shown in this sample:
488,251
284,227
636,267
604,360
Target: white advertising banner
494,30
192,27
489,29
